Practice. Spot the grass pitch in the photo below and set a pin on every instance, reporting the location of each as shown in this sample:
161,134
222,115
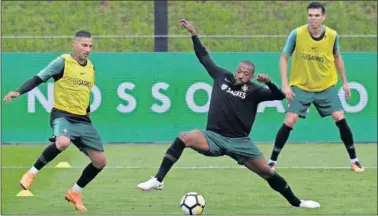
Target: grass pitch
315,171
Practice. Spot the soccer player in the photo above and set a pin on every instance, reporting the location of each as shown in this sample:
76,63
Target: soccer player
316,57
74,77
232,112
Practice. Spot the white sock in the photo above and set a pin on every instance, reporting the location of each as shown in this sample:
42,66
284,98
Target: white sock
77,188
33,170
354,160
271,161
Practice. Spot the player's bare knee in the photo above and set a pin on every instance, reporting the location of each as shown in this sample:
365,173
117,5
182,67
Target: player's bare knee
260,167
269,172
291,119
338,115
97,157
99,161
190,138
184,138
264,172
100,164
62,142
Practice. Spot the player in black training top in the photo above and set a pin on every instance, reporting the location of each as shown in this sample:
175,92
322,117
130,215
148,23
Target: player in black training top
233,107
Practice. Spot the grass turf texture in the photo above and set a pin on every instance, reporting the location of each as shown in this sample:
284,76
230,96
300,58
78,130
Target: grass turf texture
315,171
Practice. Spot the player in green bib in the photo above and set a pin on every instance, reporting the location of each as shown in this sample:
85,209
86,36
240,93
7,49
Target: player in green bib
74,77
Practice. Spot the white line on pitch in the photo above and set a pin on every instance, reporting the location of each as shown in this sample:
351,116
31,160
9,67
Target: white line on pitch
197,167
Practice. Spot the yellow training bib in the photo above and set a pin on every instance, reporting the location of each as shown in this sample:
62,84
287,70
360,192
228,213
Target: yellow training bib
313,68
72,91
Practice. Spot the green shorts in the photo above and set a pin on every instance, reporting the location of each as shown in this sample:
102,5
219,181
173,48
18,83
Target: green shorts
82,134
240,149
326,102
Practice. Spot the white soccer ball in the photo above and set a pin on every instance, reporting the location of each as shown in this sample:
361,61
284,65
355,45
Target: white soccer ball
192,204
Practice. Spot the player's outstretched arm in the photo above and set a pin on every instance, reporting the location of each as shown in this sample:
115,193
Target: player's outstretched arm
26,87
55,68
273,93
201,52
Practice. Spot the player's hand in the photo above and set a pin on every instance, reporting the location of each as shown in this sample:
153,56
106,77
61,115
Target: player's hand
188,26
10,95
263,78
289,94
347,92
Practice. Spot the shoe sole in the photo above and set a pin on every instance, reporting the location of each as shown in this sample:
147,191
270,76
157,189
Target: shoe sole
23,186
297,207
357,169
68,200
152,189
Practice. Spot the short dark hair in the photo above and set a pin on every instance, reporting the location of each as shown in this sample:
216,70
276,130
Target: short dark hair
83,33
248,62
316,5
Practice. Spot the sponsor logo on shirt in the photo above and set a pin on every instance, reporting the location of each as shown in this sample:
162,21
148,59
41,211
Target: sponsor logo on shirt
311,57
80,82
239,94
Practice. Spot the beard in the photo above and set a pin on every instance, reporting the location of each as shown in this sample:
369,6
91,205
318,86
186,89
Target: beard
239,82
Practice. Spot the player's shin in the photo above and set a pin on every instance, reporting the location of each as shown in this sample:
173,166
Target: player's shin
170,158
279,184
347,138
281,138
89,173
47,155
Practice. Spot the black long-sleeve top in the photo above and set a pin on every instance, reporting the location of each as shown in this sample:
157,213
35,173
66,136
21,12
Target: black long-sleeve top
232,107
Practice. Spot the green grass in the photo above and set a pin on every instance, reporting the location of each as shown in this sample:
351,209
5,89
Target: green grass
212,17
227,190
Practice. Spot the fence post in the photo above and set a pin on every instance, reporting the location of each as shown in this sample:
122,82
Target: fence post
161,25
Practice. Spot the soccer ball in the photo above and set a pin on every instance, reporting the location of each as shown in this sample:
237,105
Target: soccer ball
192,203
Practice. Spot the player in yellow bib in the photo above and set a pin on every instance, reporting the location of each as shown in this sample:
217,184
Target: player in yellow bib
316,57
74,77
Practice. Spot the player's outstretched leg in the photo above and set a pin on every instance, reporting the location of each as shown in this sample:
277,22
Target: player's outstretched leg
281,138
280,185
277,183
98,162
58,145
171,156
347,138
193,139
